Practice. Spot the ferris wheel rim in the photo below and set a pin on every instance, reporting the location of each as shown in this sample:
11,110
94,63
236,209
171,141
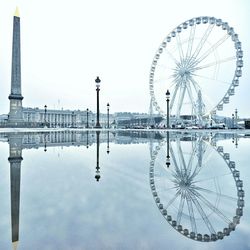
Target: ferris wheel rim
238,60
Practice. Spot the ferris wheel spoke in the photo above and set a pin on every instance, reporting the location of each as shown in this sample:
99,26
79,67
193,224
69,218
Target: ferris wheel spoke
213,79
180,154
190,41
174,96
179,47
195,84
191,214
190,95
202,213
211,49
180,100
211,178
203,40
198,166
190,163
215,193
173,199
177,169
171,56
228,59
212,207
180,210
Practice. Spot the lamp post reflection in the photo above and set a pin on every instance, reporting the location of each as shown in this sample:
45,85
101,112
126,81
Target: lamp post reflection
87,146
97,176
45,142
168,156
108,151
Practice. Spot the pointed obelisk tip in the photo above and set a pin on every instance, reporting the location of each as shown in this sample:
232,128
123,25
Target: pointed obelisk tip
17,12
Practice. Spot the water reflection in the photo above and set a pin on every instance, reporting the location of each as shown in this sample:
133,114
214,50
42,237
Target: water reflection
194,182
195,193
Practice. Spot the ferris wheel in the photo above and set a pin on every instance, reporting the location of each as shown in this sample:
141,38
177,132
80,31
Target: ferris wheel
200,63
200,194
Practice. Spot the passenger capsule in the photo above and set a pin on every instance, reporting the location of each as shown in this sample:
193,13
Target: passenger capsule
226,156
168,39
240,63
225,26
220,235
236,82
239,211
236,173
213,237
239,73
206,237
164,212
239,183
191,22
241,203
212,20
235,38
232,226
226,99
230,32
239,54
178,29
157,200
236,220
220,149
184,25
232,164
226,231
237,45
218,22
220,107
198,20
192,235
241,193
173,34
204,19
199,237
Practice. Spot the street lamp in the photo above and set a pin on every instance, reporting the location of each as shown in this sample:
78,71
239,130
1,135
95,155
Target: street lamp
72,119
236,118
87,125
233,121
97,81
108,113
45,112
167,99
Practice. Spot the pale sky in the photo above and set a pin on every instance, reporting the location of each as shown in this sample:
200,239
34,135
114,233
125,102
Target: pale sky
66,44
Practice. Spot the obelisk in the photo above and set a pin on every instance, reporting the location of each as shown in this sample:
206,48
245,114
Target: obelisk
16,110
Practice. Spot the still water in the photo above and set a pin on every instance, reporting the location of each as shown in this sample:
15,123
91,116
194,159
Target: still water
124,190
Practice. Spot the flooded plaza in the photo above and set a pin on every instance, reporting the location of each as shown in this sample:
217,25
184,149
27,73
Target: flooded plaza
131,189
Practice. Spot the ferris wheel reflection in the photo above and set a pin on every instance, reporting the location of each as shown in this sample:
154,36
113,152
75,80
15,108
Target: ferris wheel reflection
196,187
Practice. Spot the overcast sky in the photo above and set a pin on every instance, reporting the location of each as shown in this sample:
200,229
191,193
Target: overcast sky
66,44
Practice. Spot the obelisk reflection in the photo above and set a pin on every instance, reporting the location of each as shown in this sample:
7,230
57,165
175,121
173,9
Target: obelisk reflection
15,159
